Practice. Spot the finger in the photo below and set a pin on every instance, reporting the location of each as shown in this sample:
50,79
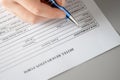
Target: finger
24,14
41,9
61,2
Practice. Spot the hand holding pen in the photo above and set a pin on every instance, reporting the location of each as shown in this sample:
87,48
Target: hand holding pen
33,11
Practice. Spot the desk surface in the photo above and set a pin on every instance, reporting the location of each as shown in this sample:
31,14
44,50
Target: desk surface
103,67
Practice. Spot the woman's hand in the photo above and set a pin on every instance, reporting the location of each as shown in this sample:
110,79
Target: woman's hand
33,11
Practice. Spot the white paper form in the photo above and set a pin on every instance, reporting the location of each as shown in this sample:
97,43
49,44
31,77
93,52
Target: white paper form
41,51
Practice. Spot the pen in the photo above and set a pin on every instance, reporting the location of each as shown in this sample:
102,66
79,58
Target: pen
68,15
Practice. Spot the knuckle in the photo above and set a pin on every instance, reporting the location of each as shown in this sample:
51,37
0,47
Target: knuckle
37,11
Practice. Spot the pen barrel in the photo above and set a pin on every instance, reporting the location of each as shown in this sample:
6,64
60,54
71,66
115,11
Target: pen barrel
54,4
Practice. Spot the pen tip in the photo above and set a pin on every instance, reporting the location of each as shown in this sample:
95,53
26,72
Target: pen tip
74,21
77,24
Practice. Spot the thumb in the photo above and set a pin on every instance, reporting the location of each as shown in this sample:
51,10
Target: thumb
61,2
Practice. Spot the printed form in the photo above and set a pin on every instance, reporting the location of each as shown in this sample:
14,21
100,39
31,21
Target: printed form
42,51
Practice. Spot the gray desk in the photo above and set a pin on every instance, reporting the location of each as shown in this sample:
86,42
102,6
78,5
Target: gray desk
103,67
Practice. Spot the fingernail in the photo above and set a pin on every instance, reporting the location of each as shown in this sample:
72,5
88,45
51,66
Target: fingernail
61,2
